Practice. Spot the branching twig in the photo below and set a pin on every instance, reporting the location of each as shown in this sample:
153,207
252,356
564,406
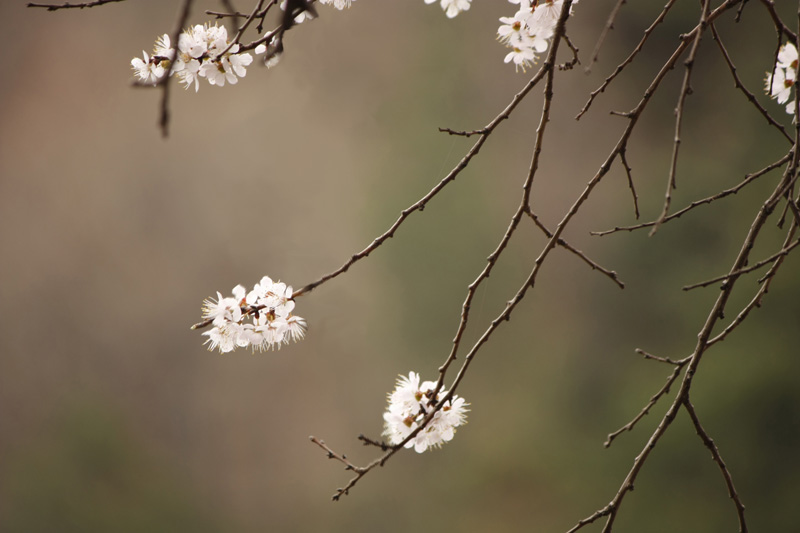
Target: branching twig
653,400
684,92
627,60
739,85
666,360
483,135
561,242
727,192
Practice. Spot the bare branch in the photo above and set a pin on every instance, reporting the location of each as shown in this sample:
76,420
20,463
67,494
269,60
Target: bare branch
67,5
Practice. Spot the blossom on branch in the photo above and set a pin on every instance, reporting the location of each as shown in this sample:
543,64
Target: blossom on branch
410,404
527,33
269,305
203,52
780,82
338,4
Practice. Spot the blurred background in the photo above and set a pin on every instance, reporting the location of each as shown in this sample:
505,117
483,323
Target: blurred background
114,416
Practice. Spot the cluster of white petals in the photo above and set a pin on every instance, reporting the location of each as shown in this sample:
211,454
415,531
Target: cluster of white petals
410,403
527,33
338,4
203,52
452,8
269,309
779,84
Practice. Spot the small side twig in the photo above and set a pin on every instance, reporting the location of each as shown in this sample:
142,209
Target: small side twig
629,174
712,447
561,242
771,259
608,27
333,455
653,400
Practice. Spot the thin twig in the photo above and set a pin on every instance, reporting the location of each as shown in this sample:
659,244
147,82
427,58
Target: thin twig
739,85
627,60
776,20
242,29
561,242
709,443
771,259
628,173
608,27
333,455
653,400
666,360
67,5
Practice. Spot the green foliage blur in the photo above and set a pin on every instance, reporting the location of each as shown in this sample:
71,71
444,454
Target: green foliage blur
113,416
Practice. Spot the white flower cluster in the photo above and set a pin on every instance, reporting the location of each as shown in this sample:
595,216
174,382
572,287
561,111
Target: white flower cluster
270,307
338,4
200,55
452,8
528,31
410,403
781,81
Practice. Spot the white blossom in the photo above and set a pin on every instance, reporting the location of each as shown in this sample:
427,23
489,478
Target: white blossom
452,8
410,403
148,70
781,82
203,51
338,4
528,32
261,319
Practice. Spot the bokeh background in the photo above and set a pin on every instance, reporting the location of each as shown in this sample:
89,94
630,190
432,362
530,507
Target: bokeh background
113,415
